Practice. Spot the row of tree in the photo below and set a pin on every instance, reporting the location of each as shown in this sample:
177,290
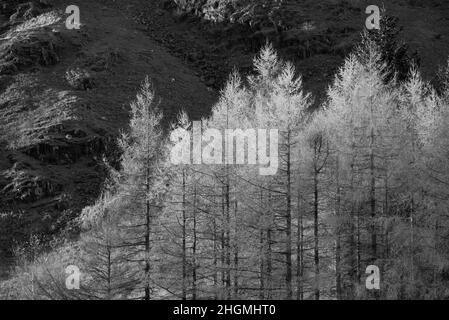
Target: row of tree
361,181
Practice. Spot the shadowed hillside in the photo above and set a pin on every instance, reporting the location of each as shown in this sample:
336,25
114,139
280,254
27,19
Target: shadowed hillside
316,35
64,96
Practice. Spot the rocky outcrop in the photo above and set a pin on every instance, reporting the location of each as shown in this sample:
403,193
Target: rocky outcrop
30,43
37,48
263,12
25,187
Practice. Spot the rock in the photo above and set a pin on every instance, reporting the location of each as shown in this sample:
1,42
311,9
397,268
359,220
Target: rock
80,79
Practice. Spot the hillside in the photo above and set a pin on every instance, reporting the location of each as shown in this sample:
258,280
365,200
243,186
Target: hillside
65,94
54,134
316,35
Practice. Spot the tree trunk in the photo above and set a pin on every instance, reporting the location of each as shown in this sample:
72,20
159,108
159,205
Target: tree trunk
228,240
373,201
194,249
315,223
236,252
300,253
147,238
288,245
338,237
184,249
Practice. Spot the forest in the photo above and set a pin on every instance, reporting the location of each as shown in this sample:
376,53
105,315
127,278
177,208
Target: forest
362,180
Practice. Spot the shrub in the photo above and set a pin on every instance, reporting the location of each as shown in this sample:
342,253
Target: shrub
79,79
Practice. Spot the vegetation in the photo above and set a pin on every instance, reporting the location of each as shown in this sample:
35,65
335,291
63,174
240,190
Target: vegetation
362,181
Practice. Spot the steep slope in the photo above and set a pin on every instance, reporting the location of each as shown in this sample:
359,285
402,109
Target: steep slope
214,36
64,97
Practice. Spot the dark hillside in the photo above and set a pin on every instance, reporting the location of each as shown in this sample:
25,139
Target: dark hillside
64,96
316,35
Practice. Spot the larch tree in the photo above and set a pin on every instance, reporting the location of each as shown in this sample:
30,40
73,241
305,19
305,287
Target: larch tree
143,182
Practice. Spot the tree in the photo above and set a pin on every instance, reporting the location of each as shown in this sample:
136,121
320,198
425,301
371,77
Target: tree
109,275
393,53
143,183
